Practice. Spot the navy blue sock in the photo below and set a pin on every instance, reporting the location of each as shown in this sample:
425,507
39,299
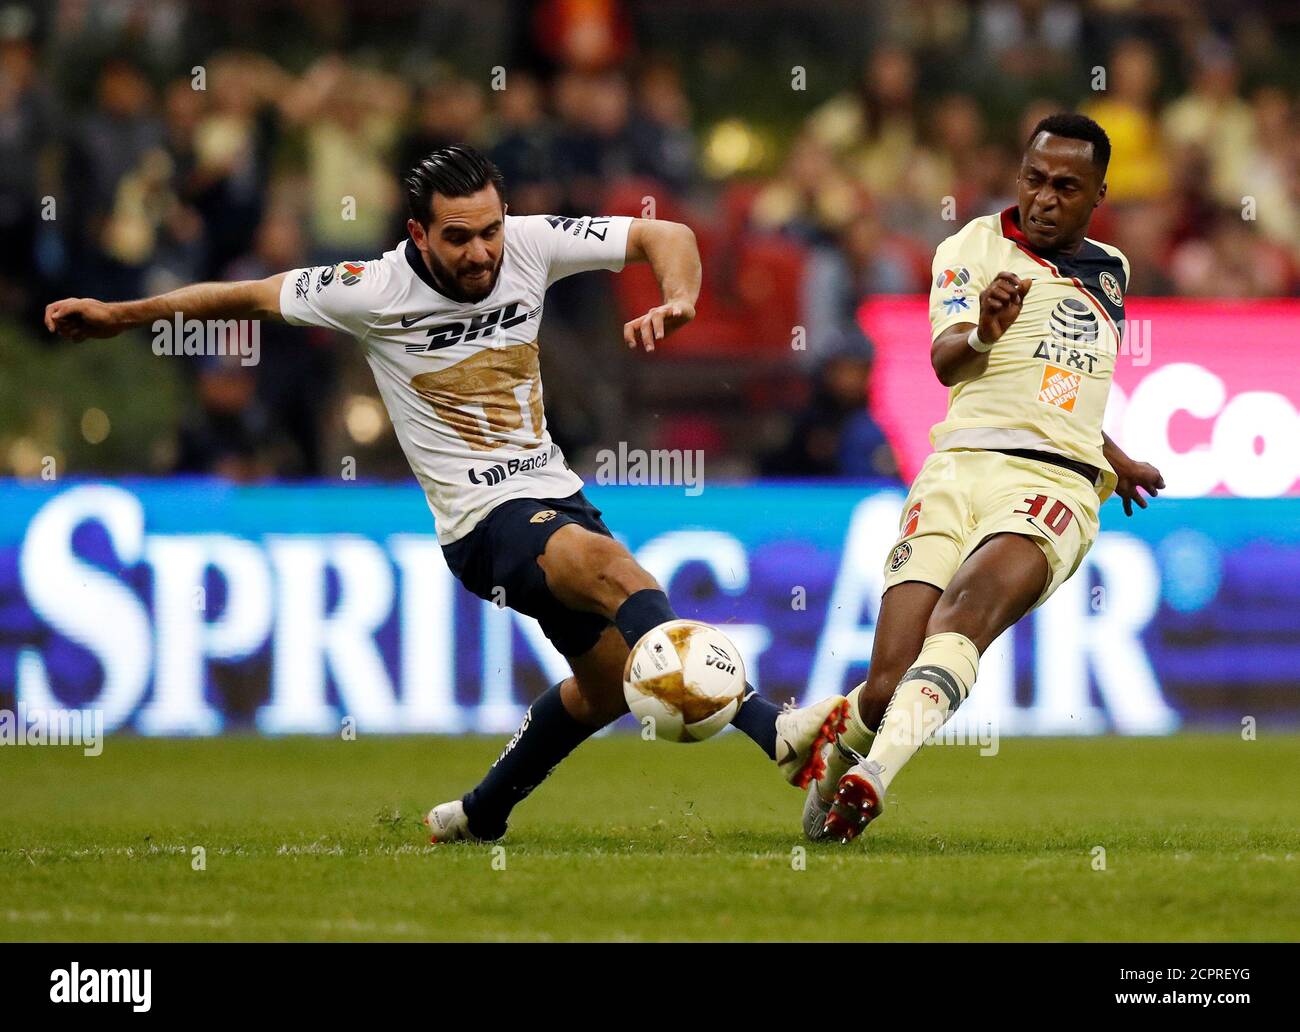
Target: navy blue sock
641,612
547,735
757,718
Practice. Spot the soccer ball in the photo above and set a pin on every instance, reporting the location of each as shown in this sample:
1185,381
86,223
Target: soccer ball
688,677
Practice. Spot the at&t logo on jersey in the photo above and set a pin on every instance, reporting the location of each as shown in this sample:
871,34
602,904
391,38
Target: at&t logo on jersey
499,471
1075,338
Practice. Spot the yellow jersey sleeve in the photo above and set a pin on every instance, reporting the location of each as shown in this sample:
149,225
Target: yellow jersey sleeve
959,274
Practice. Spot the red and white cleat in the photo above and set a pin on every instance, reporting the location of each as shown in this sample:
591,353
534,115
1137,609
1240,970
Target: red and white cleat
859,799
821,790
804,735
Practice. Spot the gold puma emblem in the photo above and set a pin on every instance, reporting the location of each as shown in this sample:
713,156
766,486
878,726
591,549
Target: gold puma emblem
480,398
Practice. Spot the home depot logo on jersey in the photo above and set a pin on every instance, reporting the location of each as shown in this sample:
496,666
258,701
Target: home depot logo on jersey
1060,387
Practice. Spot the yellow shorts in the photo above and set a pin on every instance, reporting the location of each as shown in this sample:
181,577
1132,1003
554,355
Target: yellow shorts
960,498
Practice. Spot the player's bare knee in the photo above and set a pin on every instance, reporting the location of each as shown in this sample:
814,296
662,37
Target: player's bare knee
584,569
615,575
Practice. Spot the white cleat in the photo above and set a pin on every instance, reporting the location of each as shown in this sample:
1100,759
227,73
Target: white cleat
815,811
859,800
821,792
804,735
448,823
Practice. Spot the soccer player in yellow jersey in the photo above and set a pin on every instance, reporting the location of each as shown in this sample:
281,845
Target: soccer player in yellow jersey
1026,315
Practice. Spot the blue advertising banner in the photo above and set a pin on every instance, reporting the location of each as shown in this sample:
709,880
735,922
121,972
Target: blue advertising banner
191,607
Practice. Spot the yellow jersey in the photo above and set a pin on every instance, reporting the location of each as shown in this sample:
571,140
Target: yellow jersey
1049,375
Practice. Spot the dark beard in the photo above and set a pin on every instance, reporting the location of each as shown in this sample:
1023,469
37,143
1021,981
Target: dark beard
451,287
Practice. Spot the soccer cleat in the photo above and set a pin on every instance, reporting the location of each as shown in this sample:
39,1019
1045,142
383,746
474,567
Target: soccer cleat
858,801
802,736
448,823
821,791
815,811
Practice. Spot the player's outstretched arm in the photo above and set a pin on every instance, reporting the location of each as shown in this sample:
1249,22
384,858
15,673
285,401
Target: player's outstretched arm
1131,475
957,354
80,317
674,257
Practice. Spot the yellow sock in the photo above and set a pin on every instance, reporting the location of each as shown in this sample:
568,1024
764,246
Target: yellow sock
857,736
925,698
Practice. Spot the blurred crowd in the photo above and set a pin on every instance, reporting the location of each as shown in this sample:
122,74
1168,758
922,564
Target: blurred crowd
150,143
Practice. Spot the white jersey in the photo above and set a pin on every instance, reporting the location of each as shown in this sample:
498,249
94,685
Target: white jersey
461,381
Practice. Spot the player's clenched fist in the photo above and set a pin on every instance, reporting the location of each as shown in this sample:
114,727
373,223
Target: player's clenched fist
80,317
657,323
1000,305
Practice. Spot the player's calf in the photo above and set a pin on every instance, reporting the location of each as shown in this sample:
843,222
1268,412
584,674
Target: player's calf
594,695
548,733
905,610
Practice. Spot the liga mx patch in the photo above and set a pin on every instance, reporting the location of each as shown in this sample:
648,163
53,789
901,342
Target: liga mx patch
350,273
899,556
1060,387
958,276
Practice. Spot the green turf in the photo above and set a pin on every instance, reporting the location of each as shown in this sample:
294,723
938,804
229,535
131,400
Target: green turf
319,839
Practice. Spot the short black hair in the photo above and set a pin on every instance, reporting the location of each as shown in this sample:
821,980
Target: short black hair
1076,127
455,171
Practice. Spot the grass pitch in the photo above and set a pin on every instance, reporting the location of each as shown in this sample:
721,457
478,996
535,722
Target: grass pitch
320,839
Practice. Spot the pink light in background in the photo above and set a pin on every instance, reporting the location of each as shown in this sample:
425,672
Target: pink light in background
1209,391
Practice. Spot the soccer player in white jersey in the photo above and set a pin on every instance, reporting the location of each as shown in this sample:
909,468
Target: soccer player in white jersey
1025,315
450,322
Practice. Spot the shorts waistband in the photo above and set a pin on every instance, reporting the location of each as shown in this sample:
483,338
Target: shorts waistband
1089,473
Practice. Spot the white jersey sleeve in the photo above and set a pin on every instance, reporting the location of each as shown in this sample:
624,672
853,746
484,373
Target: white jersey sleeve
355,297
568,244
